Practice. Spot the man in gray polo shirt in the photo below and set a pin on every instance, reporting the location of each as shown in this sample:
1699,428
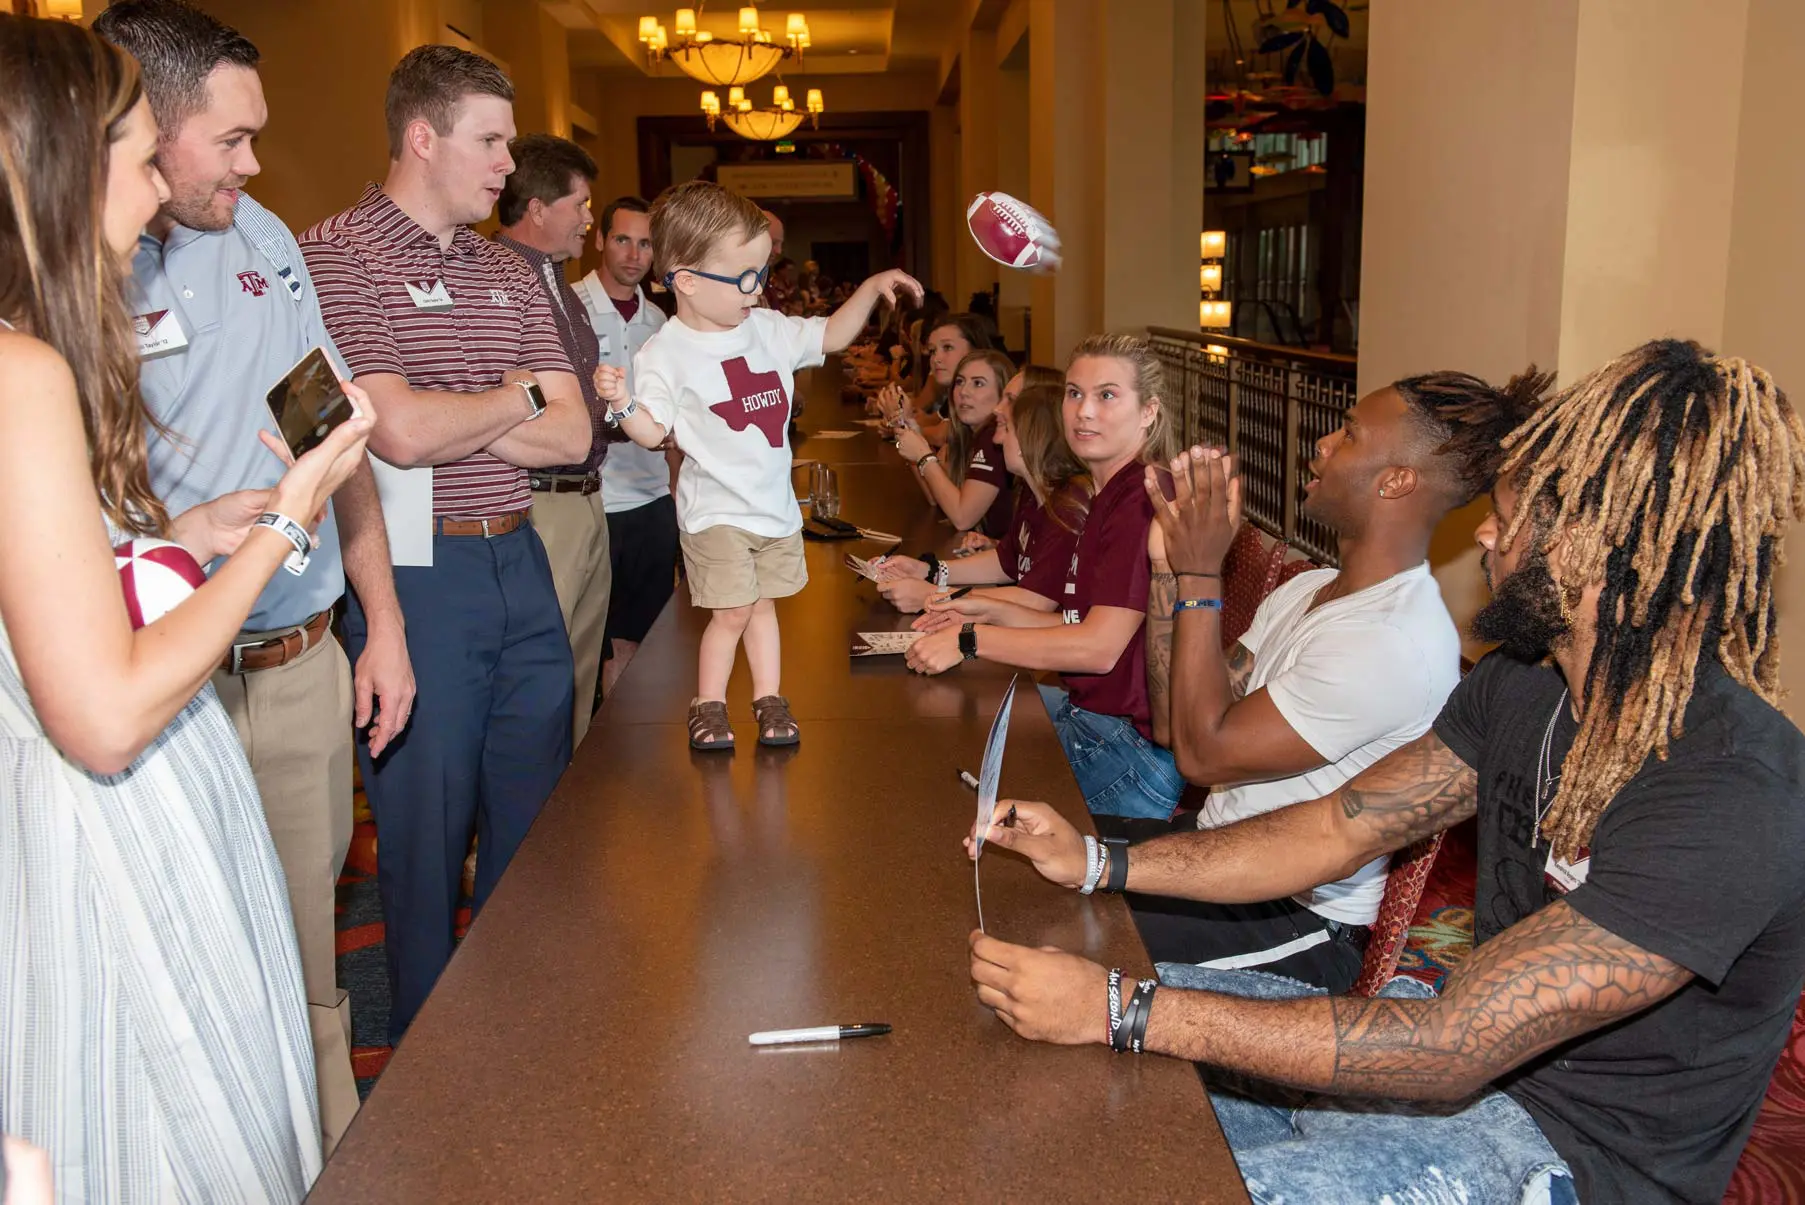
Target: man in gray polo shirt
226,308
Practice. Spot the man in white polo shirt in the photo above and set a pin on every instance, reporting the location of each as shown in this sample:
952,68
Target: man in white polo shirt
636,481
240,310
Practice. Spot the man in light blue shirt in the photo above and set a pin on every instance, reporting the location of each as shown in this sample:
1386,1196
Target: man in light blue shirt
226,308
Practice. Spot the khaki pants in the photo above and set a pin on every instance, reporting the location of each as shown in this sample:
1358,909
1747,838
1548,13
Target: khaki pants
295,724
574,529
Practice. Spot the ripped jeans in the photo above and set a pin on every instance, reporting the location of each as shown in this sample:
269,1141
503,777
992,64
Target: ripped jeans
1488,1151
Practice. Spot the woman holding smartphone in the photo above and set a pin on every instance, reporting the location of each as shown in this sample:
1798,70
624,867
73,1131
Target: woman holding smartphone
152,1017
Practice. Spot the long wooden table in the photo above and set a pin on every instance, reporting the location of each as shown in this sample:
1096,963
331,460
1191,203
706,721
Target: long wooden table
588,1040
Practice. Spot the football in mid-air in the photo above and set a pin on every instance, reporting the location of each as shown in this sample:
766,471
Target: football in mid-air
156,576
1012,233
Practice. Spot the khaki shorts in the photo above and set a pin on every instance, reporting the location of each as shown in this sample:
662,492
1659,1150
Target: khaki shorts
729,567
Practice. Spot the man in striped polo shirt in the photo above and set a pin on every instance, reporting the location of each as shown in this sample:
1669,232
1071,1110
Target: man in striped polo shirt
454,340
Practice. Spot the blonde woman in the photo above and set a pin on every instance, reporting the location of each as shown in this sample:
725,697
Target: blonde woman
1116,422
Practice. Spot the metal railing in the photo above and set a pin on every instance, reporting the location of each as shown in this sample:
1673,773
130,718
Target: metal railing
1268,405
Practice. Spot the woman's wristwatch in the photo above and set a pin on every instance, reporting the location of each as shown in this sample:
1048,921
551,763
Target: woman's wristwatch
968,642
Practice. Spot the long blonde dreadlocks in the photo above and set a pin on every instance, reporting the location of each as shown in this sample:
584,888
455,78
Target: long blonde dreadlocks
1673,473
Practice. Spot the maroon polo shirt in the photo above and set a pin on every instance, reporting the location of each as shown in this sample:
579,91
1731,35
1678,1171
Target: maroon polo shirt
1036,550
381,279
1110,569
578,339
986,465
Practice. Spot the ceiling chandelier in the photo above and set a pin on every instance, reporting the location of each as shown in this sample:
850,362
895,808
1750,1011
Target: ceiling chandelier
768,124
723,62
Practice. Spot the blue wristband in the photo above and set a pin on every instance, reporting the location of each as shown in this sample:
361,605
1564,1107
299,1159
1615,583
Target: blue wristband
1196,604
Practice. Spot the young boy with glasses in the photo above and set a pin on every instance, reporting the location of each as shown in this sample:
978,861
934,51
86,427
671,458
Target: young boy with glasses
719,377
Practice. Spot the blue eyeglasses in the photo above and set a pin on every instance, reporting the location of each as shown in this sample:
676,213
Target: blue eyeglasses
748,282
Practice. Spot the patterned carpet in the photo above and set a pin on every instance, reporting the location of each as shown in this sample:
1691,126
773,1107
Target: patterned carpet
361,968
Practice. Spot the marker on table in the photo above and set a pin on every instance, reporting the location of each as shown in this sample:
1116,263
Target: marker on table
820,1033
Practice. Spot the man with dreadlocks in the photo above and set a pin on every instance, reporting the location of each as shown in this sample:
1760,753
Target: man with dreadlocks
1640,922
1339,666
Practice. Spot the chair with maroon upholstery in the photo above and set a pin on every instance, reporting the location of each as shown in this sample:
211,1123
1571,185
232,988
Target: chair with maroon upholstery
1397,911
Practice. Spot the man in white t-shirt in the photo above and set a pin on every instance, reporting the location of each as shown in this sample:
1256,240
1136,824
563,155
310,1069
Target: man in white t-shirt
636,481
719,377
1339,667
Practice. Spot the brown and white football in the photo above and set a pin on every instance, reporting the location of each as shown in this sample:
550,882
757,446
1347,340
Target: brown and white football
1012,233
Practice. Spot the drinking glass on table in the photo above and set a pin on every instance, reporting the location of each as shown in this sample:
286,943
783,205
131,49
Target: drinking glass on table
827,495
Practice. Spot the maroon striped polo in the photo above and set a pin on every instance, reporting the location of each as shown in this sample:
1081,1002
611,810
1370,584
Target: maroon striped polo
452,319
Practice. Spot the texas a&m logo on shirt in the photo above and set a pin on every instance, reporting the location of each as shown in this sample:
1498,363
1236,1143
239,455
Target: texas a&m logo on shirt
757,400
1023,561
253,283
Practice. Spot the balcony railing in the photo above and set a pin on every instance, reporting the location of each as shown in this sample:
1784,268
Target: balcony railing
1268,405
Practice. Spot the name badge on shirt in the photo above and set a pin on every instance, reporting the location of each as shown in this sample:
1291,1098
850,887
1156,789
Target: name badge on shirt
606,342
159,334
429,295
1565,875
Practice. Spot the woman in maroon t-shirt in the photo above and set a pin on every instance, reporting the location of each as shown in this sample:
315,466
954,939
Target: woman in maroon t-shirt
1115,421
1037,545
970,485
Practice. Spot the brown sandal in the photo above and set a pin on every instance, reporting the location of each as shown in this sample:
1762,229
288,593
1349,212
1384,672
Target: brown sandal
708,726
776,726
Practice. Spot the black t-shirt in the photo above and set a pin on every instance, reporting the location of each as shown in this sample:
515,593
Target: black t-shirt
1697,859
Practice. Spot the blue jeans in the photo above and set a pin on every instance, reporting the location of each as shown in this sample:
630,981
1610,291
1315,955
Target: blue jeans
1121,772
1323,1150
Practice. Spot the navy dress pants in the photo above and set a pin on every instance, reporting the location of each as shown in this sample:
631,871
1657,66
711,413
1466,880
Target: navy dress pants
489,739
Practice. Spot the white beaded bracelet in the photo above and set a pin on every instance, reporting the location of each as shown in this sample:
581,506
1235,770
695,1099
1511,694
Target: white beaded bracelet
1093,866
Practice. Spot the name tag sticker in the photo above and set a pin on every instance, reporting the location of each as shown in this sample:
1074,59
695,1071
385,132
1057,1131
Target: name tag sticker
606,343
1565,875
429,295
159,334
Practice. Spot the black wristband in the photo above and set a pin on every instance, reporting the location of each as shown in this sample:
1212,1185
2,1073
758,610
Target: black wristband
968,642
1115,878
1119,1037
1142,1004
932,562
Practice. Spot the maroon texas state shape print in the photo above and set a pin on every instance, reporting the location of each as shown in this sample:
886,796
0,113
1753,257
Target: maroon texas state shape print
758,400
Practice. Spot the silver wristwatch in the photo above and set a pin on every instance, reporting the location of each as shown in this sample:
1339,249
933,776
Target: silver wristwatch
535,398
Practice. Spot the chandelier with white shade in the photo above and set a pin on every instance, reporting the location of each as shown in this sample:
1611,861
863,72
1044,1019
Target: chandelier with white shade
768,124
723,62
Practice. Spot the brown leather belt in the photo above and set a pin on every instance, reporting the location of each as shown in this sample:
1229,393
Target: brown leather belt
565,483
500,525
277,650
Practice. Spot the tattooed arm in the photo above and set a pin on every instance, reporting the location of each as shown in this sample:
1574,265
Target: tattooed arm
1549,978
1411,793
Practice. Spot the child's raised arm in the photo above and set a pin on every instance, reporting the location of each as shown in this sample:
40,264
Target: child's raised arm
845,323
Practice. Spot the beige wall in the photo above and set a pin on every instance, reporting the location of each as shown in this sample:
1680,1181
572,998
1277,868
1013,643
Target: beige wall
1766,257
978,152
1651,175
324,141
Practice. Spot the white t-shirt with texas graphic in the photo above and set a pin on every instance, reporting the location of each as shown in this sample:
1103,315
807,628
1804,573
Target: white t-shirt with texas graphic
726,396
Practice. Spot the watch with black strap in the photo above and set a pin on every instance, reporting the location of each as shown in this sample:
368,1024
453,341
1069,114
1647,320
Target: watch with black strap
968,642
